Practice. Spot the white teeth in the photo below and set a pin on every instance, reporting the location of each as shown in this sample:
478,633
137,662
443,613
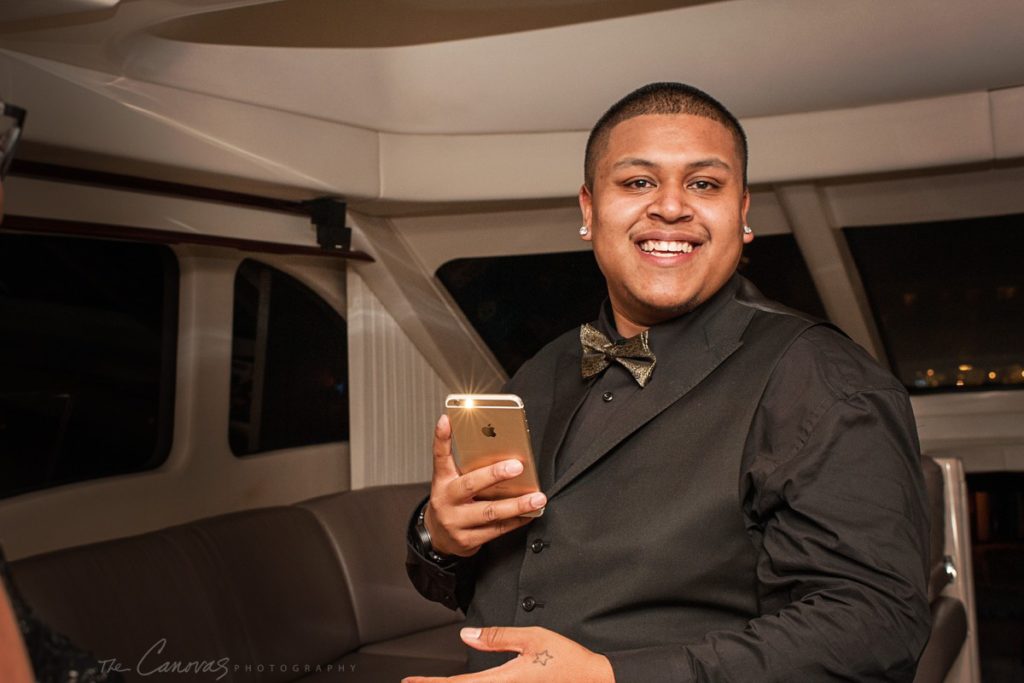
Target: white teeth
649,246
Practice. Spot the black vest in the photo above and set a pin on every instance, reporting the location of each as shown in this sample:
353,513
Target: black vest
644,541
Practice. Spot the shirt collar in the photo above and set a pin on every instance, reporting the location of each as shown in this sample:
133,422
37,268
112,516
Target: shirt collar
665,336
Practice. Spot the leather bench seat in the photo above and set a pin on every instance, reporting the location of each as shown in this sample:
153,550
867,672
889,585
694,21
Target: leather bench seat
313,591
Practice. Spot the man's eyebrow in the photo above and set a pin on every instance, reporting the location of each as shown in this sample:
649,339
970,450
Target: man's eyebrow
711,162
634,161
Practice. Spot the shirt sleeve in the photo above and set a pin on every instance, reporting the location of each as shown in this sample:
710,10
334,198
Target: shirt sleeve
451,584
835,504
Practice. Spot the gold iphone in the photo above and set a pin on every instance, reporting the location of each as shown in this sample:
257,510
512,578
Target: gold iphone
489,428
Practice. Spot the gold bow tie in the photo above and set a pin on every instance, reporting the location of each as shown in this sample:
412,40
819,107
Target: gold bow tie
634,354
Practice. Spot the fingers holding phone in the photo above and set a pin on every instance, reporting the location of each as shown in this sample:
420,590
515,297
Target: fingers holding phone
489,486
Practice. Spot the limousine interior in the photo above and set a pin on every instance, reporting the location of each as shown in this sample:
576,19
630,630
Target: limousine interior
250,246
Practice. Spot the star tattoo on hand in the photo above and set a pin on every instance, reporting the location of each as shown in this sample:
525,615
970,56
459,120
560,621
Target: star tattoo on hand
542,658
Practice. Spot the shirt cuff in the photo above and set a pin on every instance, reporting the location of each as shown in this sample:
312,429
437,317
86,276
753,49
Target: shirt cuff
434,581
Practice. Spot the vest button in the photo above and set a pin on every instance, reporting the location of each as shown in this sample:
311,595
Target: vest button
529,604
607,397
538,546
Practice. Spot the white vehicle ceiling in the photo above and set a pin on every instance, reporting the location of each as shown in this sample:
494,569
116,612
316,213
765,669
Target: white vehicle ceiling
419,73
461,66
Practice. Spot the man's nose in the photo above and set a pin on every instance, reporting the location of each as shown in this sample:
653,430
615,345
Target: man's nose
670,204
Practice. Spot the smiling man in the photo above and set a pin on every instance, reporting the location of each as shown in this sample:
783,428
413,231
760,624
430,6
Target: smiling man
666,213
733,489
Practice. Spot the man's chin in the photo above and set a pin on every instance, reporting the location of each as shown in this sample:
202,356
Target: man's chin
651,313
678,309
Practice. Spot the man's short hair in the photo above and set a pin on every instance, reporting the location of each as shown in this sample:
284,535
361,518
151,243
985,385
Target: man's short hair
661,98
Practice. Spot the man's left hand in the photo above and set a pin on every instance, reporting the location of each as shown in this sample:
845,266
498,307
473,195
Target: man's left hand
543,656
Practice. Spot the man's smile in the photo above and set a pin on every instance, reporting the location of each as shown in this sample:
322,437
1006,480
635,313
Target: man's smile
666,248
668,244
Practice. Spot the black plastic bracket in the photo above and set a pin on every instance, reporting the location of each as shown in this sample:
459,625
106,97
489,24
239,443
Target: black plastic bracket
328,215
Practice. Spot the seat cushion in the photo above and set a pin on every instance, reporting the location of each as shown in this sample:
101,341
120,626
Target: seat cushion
369,526
260,587
119,598
442,642
288,598
949,631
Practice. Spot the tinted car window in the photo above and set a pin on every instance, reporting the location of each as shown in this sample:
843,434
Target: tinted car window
88,334
289,364
948,298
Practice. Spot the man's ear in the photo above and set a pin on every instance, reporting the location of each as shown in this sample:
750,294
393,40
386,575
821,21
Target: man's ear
587,209
744,208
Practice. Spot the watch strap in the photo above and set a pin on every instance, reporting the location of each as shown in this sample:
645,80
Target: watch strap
426,545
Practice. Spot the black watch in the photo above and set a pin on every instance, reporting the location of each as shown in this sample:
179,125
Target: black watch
426,545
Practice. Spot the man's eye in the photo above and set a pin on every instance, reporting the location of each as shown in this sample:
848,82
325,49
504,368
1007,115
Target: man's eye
703,185
640,183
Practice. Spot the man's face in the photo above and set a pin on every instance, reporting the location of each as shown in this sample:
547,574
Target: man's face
666,215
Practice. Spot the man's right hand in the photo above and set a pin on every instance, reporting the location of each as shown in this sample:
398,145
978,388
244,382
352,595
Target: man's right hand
458,523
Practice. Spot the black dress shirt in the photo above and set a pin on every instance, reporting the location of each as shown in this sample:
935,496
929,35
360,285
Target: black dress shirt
840,535
609,392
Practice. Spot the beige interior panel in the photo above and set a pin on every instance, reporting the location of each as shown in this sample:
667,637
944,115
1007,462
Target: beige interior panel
186,130
73,202
766,216
1008,122
888,137
940,196
985,429
481,167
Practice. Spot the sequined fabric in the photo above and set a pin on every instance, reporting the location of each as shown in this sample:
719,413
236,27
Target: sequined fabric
634,354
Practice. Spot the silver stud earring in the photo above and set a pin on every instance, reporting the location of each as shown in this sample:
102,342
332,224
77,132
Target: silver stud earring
584,230
747,230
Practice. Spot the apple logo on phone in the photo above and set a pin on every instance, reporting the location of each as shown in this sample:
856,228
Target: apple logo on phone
489,431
